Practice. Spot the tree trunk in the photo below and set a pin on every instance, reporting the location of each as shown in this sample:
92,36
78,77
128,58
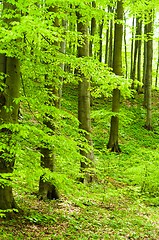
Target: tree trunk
145,63
132,46
47,188
110,56
84,102
156,80
125,46
139,58
93,31
10,70
133,72
117,69
7,158
148,78
100,53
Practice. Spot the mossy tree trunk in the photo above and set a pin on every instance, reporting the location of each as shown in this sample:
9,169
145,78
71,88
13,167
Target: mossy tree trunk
84,101
117,69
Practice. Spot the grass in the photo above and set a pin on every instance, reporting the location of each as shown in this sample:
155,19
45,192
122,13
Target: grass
124,201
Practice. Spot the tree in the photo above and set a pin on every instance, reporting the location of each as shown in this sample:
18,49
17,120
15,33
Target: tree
10,75
117,69
92,32
84,98
148,76
47,189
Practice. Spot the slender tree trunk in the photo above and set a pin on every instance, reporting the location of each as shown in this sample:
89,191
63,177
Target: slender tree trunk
93,31
145,63
84,102
117,69
133,73
111,37
100,53
139,58
107,40
125,45
106,45
148,78
132,46
156,80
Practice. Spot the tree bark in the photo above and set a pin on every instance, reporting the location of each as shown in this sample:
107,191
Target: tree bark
84,102
132,46
125,47
139,58
117,69
47,189
100,53
10,70
93,31
156,79
111,37
7,158
133,72
148,78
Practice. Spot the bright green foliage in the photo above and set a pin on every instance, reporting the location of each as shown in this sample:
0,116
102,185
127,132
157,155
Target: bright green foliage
127,184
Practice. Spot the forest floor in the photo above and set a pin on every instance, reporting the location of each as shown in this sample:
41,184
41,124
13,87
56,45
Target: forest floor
115,217
124,201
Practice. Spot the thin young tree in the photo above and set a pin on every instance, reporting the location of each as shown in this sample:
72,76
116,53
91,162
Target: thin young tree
148,76
92,32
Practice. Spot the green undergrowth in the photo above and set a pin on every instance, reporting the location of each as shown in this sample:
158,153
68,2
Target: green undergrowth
123,201
137,166
93,212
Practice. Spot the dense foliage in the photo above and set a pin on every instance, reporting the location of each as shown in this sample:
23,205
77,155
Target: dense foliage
44,37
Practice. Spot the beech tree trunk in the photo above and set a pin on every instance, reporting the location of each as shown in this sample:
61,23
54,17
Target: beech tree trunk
10,70
110,54
117,69
10,67
136,48
100,53
47,189
157,67
125,47
145,61
139,57
148,77
132,46
84,102
92,32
